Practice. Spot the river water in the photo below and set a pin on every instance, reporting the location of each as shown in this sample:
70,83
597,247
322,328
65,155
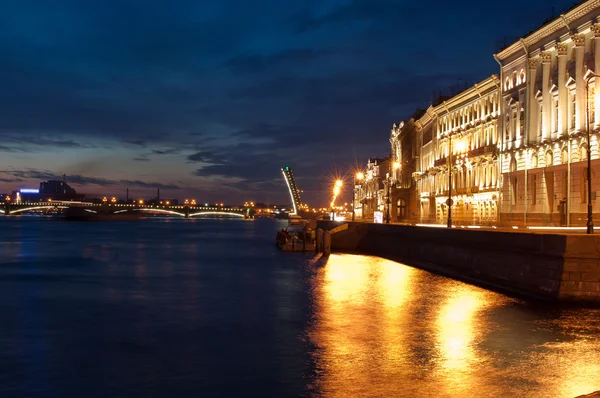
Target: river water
204,308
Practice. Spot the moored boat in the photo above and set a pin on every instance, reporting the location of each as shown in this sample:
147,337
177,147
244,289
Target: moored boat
295,241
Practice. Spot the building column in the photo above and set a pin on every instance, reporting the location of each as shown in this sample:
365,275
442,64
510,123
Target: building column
596,30
546,57
532,104
563,93
580,99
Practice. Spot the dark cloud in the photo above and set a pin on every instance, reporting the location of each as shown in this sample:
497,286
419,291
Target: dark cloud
140,159
4,148
143,184
86,180
136,143
10,180
206,156
170,151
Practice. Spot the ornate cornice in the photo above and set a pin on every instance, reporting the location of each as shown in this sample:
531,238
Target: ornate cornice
561,48
555,26
595,28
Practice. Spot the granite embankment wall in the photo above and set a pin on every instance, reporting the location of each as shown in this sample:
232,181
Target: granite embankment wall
549,266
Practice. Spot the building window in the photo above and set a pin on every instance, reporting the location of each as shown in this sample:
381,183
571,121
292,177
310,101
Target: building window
549,159
513,165
583,152
533,189
534,161
564,155
513,194
401,209
522,122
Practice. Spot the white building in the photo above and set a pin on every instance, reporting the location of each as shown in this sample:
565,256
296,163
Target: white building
544,124
461,133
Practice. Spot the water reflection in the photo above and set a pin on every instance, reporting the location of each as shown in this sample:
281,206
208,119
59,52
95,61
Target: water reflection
360,318
384,329
458,327
183,308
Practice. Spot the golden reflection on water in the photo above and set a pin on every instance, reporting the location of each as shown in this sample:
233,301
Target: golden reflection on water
385,329
456,328
360,314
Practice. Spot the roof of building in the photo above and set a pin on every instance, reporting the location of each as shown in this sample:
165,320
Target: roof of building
549,27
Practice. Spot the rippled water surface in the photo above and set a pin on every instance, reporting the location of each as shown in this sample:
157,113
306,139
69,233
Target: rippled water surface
202,308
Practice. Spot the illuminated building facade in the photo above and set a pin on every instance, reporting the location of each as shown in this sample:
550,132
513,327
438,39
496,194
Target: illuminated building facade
545,104
405,145
516,142
370,192
461,133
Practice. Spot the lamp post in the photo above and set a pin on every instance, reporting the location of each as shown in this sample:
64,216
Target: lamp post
337,188
357,177
590,219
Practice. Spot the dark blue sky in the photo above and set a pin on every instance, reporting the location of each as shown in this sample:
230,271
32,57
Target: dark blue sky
209,99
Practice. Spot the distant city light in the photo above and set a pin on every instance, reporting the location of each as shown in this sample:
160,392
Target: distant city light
29,190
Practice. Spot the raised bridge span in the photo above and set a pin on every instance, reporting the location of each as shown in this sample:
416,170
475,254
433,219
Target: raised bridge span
290,181
107,209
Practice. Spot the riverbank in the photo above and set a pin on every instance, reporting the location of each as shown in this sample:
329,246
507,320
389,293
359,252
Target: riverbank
553,267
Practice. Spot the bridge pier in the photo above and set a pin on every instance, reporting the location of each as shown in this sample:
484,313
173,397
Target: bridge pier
186,212
7,208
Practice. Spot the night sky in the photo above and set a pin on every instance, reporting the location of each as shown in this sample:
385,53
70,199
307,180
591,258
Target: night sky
209,99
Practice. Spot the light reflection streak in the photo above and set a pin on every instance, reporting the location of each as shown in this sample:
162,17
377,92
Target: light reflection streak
360,322
456,328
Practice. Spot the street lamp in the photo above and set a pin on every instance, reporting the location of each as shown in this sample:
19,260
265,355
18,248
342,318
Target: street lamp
590,219
449,201
357,177
337,188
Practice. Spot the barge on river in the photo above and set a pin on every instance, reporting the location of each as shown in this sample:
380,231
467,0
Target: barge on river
295,241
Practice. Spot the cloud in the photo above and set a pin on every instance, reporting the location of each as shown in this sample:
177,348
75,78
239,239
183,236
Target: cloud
87,180
141,143
205,156
4,148
140,159
10,180
170,151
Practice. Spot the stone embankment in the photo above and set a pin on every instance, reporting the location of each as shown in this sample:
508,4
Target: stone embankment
553,267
